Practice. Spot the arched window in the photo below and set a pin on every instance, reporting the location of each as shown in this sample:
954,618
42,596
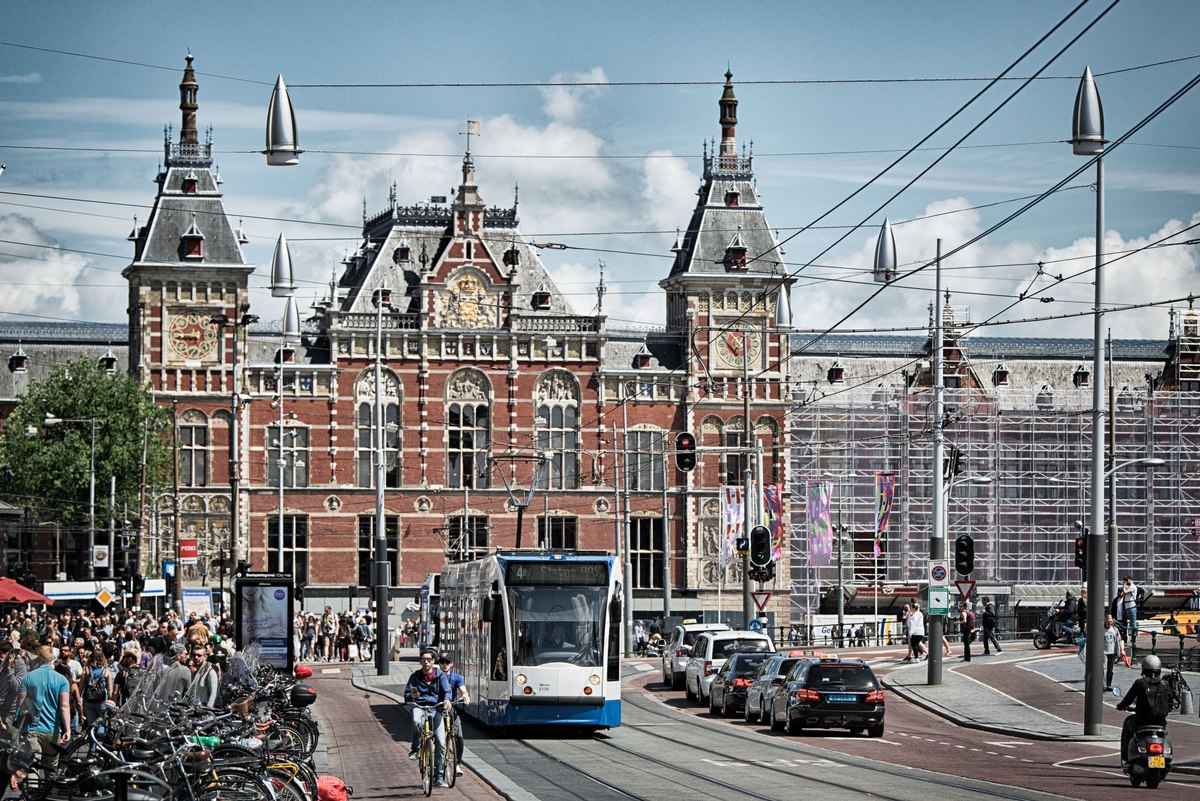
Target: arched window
557,430
468,430
365,437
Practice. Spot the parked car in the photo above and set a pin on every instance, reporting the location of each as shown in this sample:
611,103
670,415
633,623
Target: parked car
709,653
728,691
679,650
766,682
829,693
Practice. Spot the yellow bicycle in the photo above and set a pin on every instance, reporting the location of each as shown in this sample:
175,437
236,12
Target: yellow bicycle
427,755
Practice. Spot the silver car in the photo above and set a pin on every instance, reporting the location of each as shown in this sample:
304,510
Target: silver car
709,653
678,650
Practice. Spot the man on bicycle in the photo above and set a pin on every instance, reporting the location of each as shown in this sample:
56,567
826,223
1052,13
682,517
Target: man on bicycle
458,692
428,690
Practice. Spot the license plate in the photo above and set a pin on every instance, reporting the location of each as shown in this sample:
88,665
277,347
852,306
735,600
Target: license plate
1156,762
841,698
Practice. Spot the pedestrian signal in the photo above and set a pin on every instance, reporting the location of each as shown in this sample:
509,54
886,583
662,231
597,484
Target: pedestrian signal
1081,551
760,546
685,451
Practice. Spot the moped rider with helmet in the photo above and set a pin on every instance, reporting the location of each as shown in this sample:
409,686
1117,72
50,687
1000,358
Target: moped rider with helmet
1143,714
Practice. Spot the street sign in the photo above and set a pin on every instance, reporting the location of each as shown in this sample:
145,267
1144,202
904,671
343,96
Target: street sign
965,588
939,600
760,599
105,597
755,625
939,573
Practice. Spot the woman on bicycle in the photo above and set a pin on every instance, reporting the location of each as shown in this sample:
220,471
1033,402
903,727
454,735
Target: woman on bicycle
428,690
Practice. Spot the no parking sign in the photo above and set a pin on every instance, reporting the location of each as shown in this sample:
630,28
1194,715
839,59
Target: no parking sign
939,572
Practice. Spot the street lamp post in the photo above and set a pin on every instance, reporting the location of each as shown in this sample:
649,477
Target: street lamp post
1087,139
382,297
235,470
51,420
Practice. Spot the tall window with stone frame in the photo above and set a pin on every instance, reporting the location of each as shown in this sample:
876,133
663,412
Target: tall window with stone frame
735,461
467,541
295,545
558,533
288,454
558,439
366,547
647,552
193,450
365,461
644,460
468,432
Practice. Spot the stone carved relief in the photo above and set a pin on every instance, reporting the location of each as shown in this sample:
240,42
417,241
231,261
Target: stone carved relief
219,504
364,386
423,504
602,506
192,417
192,504
333,504
710,536
467,303
467,385
556,385
711,425
711,508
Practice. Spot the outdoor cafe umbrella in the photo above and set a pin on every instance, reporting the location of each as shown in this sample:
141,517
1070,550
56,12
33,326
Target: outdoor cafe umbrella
13,593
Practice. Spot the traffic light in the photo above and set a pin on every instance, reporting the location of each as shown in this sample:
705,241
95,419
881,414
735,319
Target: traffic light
760,546
964,554
139,583
685,451
1081,550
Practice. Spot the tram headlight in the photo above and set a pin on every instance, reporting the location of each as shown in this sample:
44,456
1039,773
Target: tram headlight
520,679
594,680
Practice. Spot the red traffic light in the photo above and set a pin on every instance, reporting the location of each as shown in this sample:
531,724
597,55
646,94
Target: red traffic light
685,451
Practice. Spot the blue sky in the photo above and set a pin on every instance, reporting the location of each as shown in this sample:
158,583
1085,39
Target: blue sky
829,94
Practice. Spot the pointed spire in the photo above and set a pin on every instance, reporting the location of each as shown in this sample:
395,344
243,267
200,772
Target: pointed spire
282,282
188,89
283,143
728,106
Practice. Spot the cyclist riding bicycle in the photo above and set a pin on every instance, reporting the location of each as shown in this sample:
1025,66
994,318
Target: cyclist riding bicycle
458,692
428,690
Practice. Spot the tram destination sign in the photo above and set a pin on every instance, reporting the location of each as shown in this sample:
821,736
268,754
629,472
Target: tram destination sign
557,574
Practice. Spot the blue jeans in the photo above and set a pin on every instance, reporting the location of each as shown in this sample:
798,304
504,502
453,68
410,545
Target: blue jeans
1131,624
419,713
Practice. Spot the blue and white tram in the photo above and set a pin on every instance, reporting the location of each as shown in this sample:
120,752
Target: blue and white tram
537,636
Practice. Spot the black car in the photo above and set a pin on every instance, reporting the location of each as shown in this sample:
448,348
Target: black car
829,693
728,691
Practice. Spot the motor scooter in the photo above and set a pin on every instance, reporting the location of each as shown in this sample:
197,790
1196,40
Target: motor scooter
1053,632
1148,758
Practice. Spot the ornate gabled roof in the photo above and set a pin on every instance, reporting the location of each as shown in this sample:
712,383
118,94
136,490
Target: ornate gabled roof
728,211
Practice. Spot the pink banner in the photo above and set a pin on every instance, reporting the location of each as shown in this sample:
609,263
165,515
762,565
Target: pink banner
820,532
773,505
733,519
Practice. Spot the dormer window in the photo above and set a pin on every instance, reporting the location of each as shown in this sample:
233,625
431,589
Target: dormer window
541,298
18,362
1000,376
735,253
732,198
285,355
836,374
1044,401
193,242
1081,377
191,183
109,361
642,359
402,254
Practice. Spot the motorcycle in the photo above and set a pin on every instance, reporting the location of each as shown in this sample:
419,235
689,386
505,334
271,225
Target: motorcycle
1053,632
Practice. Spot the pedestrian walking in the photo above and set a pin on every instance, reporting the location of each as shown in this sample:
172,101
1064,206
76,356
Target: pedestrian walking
966,627
1114,647
916,632
989,627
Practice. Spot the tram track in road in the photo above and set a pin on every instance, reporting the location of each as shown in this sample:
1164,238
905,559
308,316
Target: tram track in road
648,758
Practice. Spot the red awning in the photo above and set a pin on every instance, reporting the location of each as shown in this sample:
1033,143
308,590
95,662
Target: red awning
13,593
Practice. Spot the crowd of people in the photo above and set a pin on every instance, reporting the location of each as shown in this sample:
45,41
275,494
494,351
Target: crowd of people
60,669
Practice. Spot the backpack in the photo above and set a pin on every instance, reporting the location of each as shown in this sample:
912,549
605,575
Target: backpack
331,788
1158,698
96,688
1142,595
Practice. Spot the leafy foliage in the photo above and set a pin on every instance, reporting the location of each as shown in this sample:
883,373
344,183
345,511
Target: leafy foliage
46,467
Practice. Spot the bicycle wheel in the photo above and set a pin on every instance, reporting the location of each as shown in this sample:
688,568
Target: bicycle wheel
286,787
450,760
428,768
234,784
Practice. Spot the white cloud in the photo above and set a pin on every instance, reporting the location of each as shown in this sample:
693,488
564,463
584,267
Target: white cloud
564,103
45,284
27,78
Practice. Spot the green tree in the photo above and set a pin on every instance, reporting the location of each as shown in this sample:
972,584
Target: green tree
47,467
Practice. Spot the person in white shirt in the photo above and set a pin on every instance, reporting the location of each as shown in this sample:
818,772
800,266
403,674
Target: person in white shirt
1128,608
916,633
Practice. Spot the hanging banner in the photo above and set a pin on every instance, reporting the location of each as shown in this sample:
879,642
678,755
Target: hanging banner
733,519
773,507
820,531
885,491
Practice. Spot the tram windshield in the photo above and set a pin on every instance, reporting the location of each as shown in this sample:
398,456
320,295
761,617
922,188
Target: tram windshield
553,621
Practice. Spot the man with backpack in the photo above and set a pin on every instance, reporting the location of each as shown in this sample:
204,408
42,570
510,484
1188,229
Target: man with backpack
966,627
1151,700
989,627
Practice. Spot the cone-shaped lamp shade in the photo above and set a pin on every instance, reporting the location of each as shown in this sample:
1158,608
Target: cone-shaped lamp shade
282,283
291,320
783,308
283,144
885,254
1087,123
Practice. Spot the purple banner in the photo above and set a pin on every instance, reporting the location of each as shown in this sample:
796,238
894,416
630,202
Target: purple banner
885,491
773,505
820,532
